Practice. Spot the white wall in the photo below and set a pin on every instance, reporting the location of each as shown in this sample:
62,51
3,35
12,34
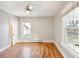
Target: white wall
4,29
58,28
41,29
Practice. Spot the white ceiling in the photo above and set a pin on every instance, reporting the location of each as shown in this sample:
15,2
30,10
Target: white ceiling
41,8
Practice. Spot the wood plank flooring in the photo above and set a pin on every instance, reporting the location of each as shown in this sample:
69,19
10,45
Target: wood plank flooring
32,50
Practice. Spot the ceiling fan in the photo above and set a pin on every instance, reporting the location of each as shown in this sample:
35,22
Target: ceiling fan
29,8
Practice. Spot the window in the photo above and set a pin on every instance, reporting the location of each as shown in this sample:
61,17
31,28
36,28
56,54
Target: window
26,29
71,29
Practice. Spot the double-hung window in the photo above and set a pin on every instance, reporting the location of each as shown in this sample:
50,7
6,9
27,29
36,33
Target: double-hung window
26,29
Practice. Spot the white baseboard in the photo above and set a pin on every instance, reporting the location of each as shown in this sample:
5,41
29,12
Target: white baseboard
31,40
1,49
47,41
60,49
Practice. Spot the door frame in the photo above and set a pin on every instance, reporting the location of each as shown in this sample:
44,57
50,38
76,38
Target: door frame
11,33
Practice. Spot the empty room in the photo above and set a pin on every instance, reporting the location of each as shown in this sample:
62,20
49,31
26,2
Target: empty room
39,29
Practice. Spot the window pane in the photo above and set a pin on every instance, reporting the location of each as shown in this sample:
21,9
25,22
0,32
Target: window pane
26,28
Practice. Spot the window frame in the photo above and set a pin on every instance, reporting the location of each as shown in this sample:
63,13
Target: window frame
26,36
63,34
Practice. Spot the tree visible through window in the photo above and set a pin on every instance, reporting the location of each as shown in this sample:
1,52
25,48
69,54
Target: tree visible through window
26,28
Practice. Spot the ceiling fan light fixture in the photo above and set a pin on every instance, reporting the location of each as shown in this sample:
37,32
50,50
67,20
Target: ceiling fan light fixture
29,7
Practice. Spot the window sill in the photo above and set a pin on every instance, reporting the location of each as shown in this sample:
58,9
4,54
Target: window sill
71,50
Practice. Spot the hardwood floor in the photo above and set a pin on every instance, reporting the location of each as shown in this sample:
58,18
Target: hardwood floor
32,50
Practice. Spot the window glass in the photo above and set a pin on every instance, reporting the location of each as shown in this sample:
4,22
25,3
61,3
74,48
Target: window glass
26,28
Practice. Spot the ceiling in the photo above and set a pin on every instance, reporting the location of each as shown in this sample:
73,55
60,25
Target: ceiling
40,8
